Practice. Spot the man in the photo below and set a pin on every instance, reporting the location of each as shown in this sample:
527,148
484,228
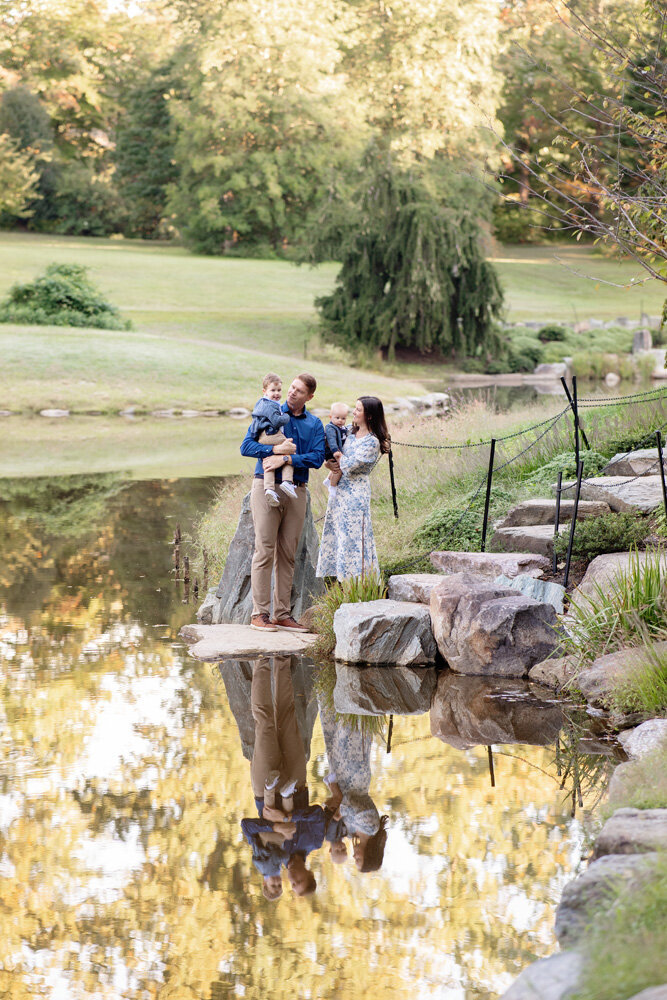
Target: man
278,529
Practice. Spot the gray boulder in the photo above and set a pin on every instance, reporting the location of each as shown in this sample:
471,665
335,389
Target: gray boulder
652,993
233,594
544,512
539,590
621,492
537,538
414,587
553,370
553,978
642,341
632,831
480,711
481,628
642,462
384,632
378,691
490,564
644,739
592,889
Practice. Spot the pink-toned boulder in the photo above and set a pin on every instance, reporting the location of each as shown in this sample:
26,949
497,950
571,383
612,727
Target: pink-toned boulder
483,628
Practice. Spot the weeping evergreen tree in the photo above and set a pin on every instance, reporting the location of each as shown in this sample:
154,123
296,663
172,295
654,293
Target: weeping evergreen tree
413,275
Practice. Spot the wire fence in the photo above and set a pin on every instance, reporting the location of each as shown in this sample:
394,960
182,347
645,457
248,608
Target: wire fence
657,394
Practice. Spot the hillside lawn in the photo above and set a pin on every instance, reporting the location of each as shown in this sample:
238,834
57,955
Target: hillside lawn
208,328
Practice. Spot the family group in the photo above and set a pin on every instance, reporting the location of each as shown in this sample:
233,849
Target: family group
288,442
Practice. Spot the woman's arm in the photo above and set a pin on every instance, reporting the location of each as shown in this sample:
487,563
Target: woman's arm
364,456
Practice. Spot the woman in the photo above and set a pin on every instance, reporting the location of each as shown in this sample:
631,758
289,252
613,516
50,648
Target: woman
349,778
347,548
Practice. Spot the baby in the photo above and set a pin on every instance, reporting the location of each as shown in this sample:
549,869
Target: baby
335,434
266,428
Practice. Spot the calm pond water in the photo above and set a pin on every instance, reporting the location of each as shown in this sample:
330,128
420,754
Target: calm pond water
125,775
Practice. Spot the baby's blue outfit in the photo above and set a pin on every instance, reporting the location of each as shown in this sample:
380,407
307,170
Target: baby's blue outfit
334,439
267,418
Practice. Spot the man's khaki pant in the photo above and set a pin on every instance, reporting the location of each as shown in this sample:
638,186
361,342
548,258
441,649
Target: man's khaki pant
277,534
278,743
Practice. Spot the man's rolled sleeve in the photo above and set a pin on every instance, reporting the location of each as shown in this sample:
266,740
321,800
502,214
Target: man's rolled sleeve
253,449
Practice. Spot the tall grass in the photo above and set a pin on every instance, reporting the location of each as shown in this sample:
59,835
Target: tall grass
645,690
369,587
630,612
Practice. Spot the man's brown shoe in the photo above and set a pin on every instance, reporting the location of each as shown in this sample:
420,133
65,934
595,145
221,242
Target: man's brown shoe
290,624
262,623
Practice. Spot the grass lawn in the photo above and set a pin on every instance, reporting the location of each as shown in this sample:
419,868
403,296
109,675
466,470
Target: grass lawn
208,328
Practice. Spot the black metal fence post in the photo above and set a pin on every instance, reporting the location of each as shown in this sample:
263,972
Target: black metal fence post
559,487
575,407
393,483
578,429
658,438
489,479
580,470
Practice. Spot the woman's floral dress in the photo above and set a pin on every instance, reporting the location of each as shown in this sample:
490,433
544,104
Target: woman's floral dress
347,547
349,757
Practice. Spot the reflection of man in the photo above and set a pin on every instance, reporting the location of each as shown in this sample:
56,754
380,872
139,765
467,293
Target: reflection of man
288,828
278,529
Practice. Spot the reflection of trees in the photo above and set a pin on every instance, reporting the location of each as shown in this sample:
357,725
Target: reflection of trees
64,505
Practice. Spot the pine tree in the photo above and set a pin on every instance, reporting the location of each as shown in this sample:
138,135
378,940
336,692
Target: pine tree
413,275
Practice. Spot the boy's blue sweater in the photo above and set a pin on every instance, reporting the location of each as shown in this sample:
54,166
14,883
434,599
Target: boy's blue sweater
267,417
307,433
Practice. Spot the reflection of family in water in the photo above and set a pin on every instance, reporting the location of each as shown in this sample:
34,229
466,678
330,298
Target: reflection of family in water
288,827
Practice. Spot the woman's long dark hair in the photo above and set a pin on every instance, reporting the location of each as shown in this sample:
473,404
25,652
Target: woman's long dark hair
375,421
374,853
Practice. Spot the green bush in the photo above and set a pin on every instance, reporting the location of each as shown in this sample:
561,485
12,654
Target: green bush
527,347
552,332
62,296
607,533
459,528
566,462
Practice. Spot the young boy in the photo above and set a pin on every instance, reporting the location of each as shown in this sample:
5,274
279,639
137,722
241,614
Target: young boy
266,428
335,434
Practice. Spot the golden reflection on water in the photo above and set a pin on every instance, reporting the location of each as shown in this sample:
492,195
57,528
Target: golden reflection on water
123,871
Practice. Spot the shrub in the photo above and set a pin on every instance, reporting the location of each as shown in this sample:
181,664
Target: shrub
62,296
607,533
527,347
551,332
460,528
566,462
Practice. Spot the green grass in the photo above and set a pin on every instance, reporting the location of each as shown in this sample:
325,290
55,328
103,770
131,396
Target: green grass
642,783
207,328
646,689
625,943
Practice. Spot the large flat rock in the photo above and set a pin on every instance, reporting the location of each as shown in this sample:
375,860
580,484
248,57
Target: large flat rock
536,538
544,512
480,711
604,570
553,978
642,462
481,628
384,632
491,564
378,691
597,681
632,831
414,587
556,672
241,642
592,889
621,492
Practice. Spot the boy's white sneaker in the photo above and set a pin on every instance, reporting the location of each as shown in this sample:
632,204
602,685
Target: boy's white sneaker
288,789
272,498
289,489
272,780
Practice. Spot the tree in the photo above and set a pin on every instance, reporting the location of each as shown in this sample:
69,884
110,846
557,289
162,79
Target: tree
613,184
413,274
18,179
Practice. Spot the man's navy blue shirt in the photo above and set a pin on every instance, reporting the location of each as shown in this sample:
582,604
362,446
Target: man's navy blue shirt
307,433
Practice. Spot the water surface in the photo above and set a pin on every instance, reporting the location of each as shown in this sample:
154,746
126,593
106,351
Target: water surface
124,776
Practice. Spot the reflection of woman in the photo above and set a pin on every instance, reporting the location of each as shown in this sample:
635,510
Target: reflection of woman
347,548
348,753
